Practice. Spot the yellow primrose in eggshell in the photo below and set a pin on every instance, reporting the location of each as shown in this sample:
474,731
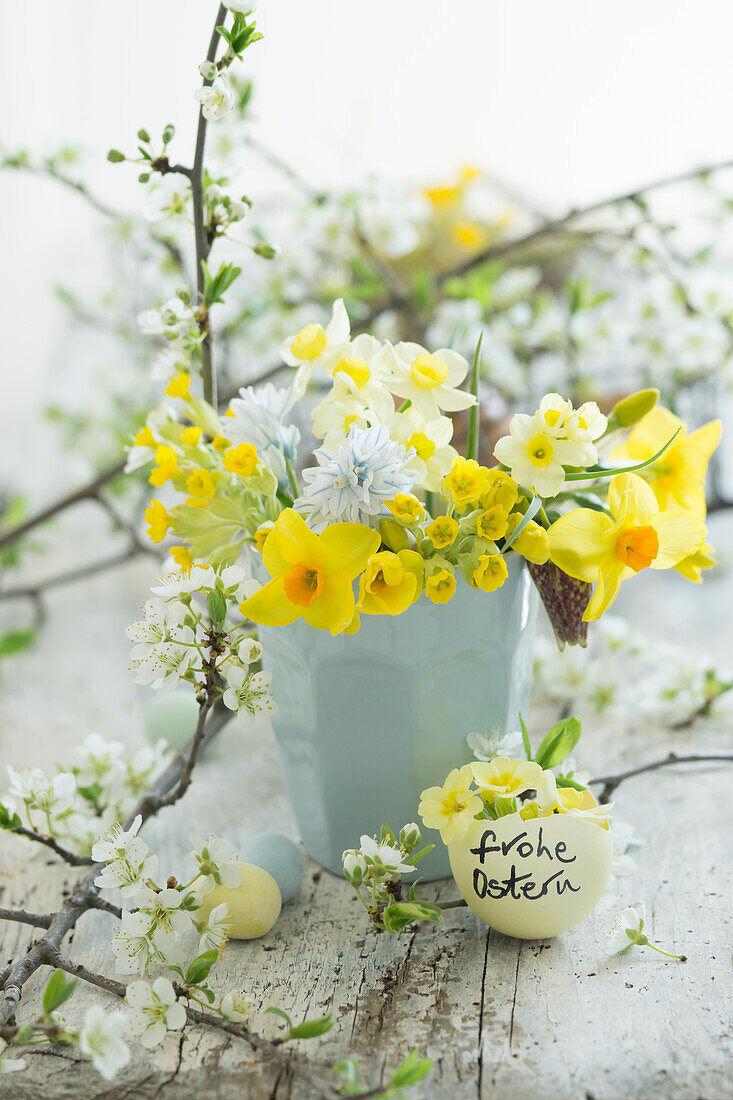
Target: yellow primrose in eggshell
507,778
452,807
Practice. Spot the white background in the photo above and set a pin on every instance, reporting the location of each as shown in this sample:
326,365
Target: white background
568,101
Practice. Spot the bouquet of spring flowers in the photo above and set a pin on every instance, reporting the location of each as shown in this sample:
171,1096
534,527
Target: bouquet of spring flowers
385,511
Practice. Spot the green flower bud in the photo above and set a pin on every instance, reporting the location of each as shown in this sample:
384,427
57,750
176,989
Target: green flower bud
394,536
631,409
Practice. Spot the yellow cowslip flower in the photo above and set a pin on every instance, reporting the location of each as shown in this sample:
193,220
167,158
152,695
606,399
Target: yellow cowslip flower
592,546
311,574
507,778
179,386
182,556
442,531
405,508
158,521
241,460
466,481
532,543
390,582
440,586
502,491
220,444
261,535
678,476
492,524
468,234
490,573
191,435
166,467
452,807
144,438
200,484
443,196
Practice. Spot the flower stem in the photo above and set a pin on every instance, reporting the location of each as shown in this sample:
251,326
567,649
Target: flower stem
669,954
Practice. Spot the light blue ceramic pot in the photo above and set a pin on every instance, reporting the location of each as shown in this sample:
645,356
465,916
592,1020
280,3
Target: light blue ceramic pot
366,722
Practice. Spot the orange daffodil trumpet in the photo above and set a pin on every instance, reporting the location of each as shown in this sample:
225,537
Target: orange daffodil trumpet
607,549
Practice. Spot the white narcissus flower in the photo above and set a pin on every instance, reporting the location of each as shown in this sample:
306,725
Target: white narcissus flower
313,345
234,1006
535,459
97,761
217,863
52,795
154,1011
126,859
99,1041
10,1065
430,440
248,695
214,931
216,100
384,857
428,379
585,425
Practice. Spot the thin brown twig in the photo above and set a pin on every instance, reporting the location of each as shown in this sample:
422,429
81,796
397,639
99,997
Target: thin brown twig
22,916
611,782
32,591
48,841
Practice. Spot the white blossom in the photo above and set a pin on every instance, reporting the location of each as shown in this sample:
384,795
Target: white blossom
126,859
234,1006
136,945
164,909
217,863
627,932
214,930
99,1040
248,695
10,1065
384,856
51,795
154,1011
97,761
495,742
216,101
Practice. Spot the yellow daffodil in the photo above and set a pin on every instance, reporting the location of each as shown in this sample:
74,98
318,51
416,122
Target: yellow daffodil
241,460
390,582
466,482
532,543
442,531
311,574
179,386
507,778
405,508
678,476
452,807
200,484
183,557
591,546
693,565
440,585
502,491
490,573
158,521
190,436
166,467
492,524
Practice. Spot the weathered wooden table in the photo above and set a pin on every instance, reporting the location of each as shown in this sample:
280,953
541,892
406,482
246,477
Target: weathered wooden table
555,1019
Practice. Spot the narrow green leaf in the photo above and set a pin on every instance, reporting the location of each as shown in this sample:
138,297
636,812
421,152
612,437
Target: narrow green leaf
607,471
309,1029
57,991
15,641
525,739
474,415
534,506
275,1011
413,1069
558,743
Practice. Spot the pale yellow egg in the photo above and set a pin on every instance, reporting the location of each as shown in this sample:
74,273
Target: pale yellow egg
254,905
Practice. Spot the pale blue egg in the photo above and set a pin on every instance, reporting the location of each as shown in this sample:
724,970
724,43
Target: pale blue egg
172,715
277,854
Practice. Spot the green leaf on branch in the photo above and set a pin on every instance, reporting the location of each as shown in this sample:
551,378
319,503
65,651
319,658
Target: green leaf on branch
200,967
215,286
16,641
216,605
401,913
7,820
413,1069
566,781
57,991
309,1029
558,743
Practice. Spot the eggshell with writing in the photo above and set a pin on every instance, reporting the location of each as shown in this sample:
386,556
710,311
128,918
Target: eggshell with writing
532,879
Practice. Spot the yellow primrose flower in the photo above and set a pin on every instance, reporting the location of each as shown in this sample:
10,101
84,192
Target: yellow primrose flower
390,582
158,521
502,491
678,476
492,524
179,386
452,807
182,557
241,460
467,481
533,543
468,234
220,444
311,574
507,778
166,468
592,546
490,573
261,535
405,508
442,531
440,586
145,438
190,436
582,804
200,484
